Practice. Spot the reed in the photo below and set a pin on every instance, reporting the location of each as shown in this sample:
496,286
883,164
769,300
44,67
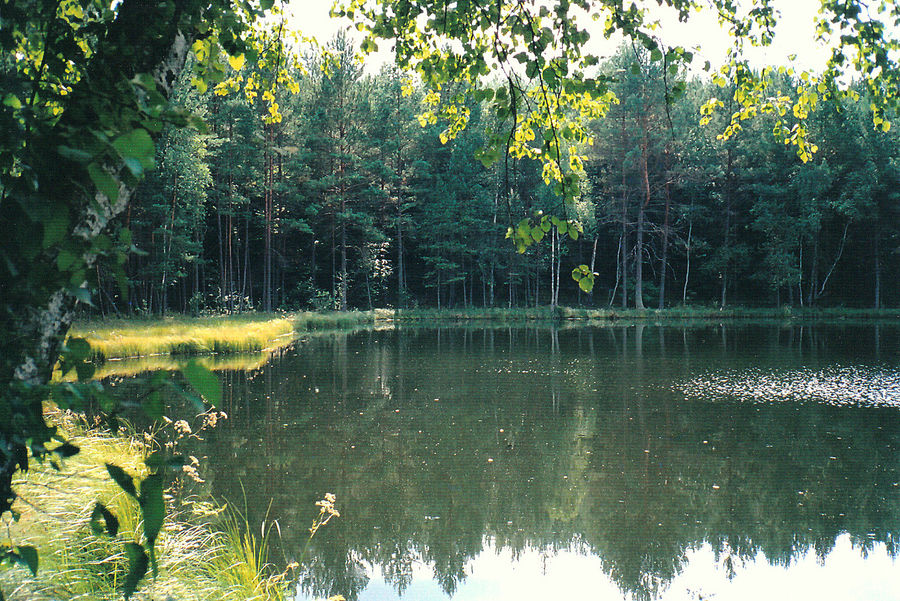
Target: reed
198,559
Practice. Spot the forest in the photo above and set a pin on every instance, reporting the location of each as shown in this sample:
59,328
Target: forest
188,157
351,199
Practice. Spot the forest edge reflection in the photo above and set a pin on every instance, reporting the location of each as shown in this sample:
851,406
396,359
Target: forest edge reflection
591,449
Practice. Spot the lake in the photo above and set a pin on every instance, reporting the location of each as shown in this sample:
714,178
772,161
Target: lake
738,461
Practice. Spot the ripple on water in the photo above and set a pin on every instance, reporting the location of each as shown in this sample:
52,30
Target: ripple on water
839,386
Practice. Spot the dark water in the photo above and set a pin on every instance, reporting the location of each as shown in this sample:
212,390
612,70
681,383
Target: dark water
723,462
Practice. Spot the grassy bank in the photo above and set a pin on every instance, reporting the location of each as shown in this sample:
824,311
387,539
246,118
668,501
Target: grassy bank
181,335
201,555
260,333
681,313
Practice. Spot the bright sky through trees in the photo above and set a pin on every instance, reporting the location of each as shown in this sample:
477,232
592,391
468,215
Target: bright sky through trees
795,34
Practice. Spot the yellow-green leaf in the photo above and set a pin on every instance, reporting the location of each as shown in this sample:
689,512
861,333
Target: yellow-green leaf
236,62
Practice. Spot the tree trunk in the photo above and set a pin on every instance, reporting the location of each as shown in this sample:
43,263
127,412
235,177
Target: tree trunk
727,234
687,268
36,318
593,262
877,269
639,247
664,267
268,185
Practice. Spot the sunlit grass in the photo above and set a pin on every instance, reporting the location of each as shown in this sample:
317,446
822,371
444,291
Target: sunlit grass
241,565
183,336
197,559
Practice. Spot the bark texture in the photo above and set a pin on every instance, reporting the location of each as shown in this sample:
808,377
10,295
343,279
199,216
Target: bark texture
38,299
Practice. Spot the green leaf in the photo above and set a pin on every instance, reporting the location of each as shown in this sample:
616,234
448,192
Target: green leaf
124,481
12,101
159,460
104,181
77,349
137,568
203,381
74,154
236,62
368,46
66,449
585,278
136,144
56,226
30,556
65,259
101,512
82,294
586,283
125,237
153,509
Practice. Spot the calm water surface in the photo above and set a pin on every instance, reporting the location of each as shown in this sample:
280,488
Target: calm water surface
633,462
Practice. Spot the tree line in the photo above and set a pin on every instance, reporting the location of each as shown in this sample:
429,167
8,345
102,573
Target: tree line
354,199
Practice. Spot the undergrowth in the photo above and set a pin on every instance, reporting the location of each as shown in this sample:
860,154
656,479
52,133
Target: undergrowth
204,551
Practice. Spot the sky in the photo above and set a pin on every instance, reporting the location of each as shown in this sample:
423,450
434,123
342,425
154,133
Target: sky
795,34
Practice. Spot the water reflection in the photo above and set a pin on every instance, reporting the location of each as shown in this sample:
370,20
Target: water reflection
860,386
478,463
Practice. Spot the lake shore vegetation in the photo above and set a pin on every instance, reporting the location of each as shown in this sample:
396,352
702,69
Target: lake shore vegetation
247,340
204,551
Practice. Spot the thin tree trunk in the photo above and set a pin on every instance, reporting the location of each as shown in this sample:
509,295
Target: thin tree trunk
593,262
624,237
553,238
664,269
268,183
877,269
834,264
727,238
639,248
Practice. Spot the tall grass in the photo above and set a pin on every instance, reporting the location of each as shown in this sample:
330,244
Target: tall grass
198,560
185,336
182,336
241,566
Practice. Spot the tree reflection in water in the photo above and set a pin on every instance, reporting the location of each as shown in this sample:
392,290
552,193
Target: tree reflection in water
443,444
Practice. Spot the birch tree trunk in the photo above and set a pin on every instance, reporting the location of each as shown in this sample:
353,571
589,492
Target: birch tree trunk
39,299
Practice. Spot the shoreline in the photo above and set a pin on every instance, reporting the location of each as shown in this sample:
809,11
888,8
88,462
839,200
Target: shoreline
264,333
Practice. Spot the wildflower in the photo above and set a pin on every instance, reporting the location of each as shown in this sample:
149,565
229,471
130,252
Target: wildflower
326,505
